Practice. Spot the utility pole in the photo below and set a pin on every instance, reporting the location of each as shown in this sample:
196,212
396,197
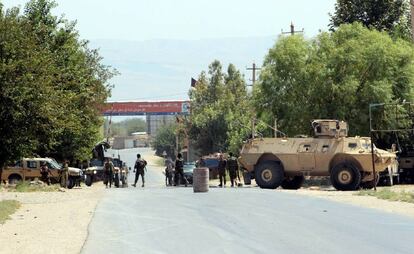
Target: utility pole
254,68
293,31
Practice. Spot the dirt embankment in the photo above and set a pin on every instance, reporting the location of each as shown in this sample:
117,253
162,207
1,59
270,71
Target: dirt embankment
49,222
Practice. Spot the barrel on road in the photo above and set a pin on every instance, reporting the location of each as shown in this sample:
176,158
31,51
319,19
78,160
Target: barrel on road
200,179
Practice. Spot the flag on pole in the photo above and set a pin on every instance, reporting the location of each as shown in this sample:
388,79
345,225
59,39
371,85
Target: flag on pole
193,82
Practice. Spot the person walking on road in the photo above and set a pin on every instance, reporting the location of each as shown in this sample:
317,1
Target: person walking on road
108,172
222,170
139,169
233,168
179,171
169,171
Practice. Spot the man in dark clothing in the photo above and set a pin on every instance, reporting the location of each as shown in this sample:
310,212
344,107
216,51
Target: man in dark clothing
108,172
45,172
222,170
169,171
233,168
179,171
139,169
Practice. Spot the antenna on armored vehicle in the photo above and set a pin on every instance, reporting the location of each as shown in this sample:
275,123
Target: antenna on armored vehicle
274,129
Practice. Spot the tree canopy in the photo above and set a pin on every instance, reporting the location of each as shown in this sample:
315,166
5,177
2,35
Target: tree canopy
336,75
51,85
392,16
220,110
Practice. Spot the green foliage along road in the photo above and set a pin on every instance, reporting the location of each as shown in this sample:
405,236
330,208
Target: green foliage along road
52,85
336,75
220,110
165,140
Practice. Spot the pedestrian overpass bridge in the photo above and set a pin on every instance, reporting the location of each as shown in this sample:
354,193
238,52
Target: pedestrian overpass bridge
139,108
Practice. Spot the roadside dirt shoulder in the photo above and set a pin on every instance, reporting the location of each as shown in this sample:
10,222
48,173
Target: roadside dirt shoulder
351,197
49,222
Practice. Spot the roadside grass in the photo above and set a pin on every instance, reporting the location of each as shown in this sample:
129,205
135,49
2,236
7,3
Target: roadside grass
7,208
388,194
27,187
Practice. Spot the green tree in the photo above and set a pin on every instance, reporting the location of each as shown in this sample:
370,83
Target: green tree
392,16
219,110
26,86
80,81
52,86
337,75
165,140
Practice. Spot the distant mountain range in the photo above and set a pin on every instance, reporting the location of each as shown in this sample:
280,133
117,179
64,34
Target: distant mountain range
162,69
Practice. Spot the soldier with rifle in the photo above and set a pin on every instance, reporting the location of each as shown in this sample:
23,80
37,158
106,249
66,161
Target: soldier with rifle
139,169
108,172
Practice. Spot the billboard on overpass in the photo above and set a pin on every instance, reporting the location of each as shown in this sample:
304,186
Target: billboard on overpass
132,108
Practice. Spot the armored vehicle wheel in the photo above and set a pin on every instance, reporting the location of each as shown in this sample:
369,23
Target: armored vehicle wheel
71,183
345,177
269,175
88,180
293,183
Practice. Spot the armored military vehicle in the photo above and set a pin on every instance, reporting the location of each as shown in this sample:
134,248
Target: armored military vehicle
275,162
95,171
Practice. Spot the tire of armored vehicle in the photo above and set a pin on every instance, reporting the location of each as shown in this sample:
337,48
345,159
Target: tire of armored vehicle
345,176
269,174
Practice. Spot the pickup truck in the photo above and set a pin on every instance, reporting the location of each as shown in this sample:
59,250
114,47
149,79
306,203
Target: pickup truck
28,169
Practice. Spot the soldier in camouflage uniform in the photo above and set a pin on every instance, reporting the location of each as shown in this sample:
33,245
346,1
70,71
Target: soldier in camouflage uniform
108,172
233,168
139,169
222,170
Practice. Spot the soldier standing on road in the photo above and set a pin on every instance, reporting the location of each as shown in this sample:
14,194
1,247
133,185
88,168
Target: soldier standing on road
139,169
45,172
108,172
233,168
64,174
179,171
222,170
169,171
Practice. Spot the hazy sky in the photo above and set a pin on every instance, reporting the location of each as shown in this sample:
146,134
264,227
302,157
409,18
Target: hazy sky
161,69
191,19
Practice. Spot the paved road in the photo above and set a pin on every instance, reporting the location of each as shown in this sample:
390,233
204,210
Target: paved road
157,219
